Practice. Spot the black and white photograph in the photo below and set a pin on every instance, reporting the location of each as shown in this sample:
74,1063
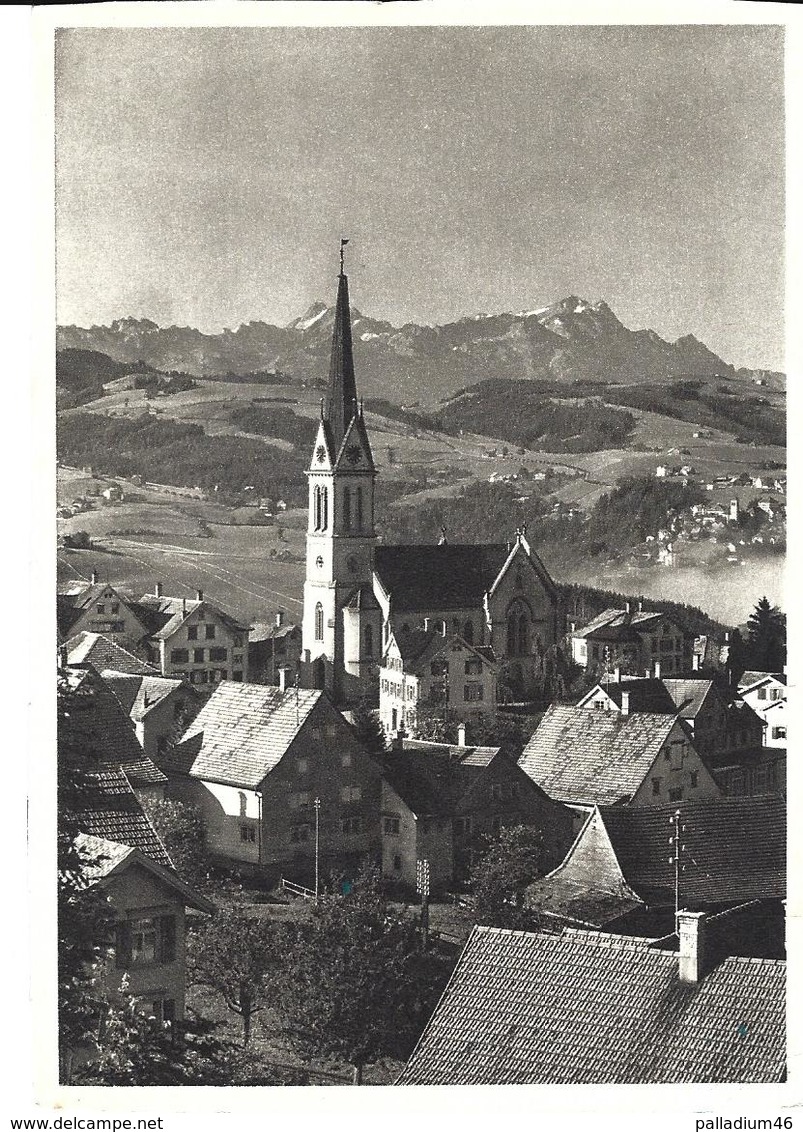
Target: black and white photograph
418,528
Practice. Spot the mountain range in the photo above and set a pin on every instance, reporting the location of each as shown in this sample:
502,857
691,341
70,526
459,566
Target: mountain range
572,339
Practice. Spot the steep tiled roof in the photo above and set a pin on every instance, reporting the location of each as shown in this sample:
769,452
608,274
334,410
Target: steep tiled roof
103,857
586,1008
581,755
112,811
750,679
101,652
164,615
431,577
104,732
268,631
688,695
734,850
139,695
242,732
432,778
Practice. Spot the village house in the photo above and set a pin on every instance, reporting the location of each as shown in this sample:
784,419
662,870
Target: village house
149,902
107,736
441,802
721,724
356,591
426,674
273,647
97,607
762,691
620,872
586,757
632,640
585,1007
256,760
194,639
159,707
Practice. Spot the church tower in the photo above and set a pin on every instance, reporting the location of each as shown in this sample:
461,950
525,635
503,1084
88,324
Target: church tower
342,623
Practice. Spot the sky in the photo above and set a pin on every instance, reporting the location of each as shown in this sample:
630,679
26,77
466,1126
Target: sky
204,176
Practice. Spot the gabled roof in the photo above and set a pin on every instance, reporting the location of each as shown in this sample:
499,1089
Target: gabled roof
586,1008
139,695
434,577
752,680
104,732
111,811
580,755
356,437
101,652
363,599
432,778
268,631
616,621
646,693
419,646
689,695
165,615
734,851
242,732
105,859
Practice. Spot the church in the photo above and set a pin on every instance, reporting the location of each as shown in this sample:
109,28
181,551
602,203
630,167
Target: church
357,591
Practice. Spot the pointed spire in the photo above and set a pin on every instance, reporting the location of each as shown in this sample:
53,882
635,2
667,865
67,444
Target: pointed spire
342,383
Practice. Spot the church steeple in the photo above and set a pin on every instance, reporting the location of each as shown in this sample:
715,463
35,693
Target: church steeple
342,405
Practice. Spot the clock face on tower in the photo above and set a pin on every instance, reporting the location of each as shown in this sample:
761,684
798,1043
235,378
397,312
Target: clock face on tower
354,453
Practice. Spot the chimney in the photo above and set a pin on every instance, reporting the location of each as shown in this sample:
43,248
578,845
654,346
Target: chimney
95,577
427,622
640,606
199,595
444,629
628,607
691,946
183,607
279,618
283,678
657,670
695,662
617,675
461,735
157,589
625,703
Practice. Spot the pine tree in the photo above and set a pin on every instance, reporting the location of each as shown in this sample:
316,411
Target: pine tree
766,641
367,727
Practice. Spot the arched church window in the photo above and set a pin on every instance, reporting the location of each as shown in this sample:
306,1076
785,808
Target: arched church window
359,509
512,626
319,622
368,640
324,508
524,629
346,508
316,508
468,632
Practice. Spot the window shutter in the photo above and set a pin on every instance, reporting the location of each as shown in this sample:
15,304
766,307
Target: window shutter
123,945
168,938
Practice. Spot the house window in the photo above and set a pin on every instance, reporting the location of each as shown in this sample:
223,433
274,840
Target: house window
391,825
462,827
299,800
180,656
210,632
676,794
472,692
299,833
302,766
237,640
667,754
164,1010
397,863
101,609
474,667
351,825
198,656
779,732
693,778
762,693
237,658
497,791
656,787
115,607
146,939
144,936
468,632
248,833
192,633
351,794
439,668
218,654
319,622
345,760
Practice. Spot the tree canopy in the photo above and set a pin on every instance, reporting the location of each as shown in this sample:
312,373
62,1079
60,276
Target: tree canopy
500,879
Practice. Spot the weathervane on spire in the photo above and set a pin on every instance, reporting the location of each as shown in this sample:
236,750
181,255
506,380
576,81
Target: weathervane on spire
342,246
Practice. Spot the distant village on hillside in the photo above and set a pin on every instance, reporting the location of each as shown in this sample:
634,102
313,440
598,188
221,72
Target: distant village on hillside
445,826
